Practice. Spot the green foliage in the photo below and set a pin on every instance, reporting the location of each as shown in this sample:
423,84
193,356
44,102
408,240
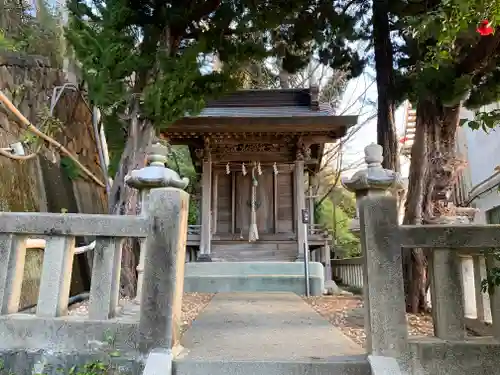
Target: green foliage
5,43
484,120
493,278
156,52
443,56
71,170
21,31
180,161
336,212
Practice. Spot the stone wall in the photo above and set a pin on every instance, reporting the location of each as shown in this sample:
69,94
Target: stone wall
42,184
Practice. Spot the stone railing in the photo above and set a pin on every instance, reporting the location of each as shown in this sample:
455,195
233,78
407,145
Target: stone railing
349,271
472,273
153,323
164,227
383,241
61,230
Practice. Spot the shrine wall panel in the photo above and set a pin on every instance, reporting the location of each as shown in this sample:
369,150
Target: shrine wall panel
285,222
224,218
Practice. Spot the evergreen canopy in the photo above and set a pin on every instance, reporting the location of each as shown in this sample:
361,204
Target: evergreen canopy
154,48
443,56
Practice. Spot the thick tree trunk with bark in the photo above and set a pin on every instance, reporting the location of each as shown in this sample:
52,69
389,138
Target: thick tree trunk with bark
386,127
432,172
126,201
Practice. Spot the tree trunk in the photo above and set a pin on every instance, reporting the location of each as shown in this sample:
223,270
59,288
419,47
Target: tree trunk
386,127
414,260
125,201
432,172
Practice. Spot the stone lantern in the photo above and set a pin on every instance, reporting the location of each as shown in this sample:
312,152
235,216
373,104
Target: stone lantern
154,175
373,180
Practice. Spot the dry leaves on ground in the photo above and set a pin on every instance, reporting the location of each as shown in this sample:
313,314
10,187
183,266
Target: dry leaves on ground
192,305
347,314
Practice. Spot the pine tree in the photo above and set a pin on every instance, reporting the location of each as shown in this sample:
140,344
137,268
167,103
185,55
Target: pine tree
141,62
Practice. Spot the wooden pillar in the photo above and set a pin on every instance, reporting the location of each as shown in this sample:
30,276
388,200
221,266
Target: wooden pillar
206,211
275,202
300,203
233,202
310,200
215,183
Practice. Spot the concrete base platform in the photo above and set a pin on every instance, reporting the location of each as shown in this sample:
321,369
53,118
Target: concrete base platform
266,333
225,277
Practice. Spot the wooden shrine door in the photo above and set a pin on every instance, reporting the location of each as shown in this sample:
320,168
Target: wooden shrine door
264,202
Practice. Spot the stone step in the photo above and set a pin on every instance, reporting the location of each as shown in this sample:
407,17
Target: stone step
227,277
253,258
245,251
351,365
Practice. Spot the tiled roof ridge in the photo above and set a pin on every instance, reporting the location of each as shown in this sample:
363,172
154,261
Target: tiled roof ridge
296,97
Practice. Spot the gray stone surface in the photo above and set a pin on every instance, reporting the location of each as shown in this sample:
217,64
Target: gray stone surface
266,333
159,362
105,282
383,365
46,362
458,236
55,282
385,323
23,331
447,295
263,326
73,224
331,288
475,356
225,277
161,299
332,366
12,260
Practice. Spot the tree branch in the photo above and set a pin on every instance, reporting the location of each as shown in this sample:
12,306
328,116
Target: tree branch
480,55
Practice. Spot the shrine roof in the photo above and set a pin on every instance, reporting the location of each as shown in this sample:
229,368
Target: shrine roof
284,111
280,110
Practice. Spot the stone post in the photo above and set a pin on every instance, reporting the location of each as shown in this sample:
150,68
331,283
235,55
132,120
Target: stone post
161,300
384,300
483,310
154,175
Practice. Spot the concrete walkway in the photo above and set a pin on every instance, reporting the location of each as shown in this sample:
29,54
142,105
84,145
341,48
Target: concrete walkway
265,327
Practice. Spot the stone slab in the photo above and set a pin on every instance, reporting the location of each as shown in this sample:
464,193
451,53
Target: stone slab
46,362
253,283
265,327
252,268
343,366
474,356
70,333
226,277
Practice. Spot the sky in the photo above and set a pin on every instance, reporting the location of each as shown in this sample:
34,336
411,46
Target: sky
360,99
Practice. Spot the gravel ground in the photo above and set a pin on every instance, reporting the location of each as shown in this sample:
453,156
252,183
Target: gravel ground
192,305
346,313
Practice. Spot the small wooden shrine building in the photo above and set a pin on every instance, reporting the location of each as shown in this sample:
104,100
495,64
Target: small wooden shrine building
254,149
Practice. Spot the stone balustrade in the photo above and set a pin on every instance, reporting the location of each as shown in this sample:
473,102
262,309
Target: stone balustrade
154,322
60,231
383,241
472,273
158,321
